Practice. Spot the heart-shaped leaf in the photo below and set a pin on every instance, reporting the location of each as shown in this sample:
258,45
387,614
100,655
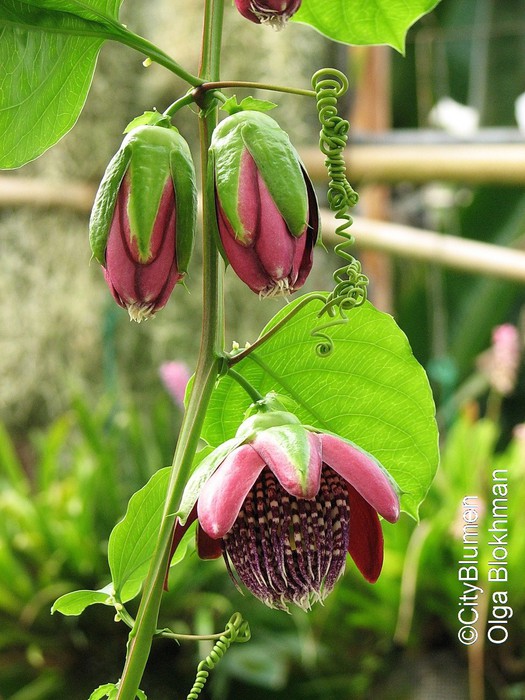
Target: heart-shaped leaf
364,23
48,52
369,389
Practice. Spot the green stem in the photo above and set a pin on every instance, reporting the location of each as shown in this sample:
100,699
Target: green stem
219,84
306,299
208,366
248,388
129,38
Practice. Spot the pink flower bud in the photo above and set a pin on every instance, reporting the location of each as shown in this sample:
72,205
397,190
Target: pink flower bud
143,219
269,259
272,12
142,286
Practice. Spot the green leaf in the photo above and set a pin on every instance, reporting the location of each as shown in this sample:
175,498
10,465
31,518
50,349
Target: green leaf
48,52
370,390
248,103
108,690
364,23
76,602
132,541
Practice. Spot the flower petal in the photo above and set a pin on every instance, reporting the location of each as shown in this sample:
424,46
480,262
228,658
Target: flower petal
365,544
223,494
294,456
207,547
362,472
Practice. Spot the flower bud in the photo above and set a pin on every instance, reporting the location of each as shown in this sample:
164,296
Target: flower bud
143,219
272,12
267,211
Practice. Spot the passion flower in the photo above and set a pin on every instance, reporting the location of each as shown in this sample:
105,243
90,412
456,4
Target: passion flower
285,506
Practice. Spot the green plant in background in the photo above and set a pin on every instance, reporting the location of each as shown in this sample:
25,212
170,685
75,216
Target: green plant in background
356,405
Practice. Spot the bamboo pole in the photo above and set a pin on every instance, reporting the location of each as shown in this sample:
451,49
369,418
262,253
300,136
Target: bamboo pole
395,239
502,164
439,249
20,191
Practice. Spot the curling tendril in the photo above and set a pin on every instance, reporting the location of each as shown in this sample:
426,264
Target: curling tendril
237,630
350,283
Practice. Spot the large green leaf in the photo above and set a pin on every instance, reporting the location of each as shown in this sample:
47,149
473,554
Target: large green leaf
369,389
132,542
48,52
364,22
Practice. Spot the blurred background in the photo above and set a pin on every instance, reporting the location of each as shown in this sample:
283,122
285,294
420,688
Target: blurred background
437,153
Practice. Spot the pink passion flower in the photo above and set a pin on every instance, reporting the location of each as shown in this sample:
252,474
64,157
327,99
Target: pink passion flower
285,504
273,12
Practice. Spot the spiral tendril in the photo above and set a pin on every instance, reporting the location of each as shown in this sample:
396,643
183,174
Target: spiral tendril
237,630
350,283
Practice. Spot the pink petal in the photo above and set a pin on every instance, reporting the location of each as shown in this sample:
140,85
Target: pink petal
242,258
365,544
275,245
223,494
248,198
279,459
363,473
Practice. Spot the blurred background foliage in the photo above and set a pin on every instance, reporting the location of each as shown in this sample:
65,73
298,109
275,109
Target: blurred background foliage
86,419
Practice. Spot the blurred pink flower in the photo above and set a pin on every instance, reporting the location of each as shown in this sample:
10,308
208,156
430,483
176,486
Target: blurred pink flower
175,376
500,363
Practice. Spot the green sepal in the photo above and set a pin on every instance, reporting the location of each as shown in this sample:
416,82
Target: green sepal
232,106
275,158
292,439
105,200
264,421
183,177
151,155
150,118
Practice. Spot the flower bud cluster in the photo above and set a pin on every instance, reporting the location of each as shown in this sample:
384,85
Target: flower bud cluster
143,220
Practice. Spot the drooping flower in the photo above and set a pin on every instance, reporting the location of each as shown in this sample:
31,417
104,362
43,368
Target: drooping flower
143,219
267,212
273,12
285,504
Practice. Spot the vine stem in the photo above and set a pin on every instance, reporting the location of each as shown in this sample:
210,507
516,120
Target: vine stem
208,366
219,84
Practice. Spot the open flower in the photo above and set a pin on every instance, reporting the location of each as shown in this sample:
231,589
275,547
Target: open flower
285,505
273,12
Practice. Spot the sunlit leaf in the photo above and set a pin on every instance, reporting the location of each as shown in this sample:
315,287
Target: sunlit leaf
48,52
76,602
364,23
369,389
132,541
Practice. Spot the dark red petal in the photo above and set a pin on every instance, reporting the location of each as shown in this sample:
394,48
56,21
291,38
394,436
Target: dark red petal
178,533
207,548
365,544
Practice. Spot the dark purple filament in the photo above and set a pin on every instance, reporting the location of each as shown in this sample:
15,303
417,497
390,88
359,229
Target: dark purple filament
287,549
